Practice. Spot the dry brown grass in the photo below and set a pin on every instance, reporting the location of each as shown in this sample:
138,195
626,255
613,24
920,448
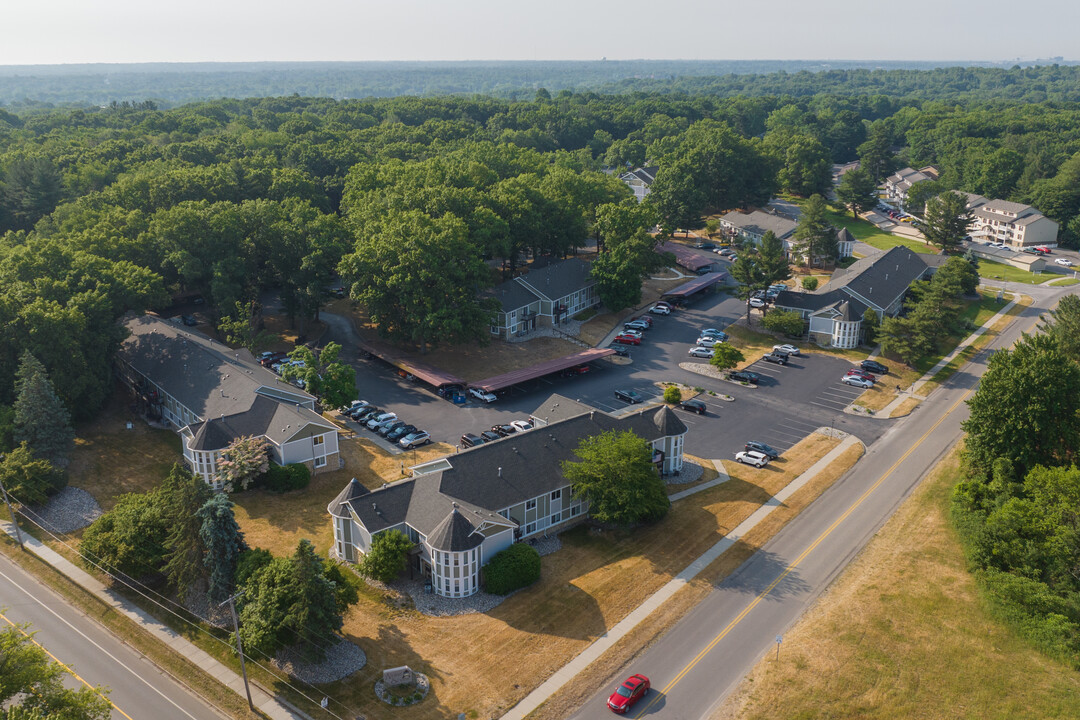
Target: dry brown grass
904,635
588,586
278,521
109,460
708,475
905,407
614,662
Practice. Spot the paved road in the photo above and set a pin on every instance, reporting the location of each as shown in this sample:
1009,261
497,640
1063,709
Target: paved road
138,689
699,661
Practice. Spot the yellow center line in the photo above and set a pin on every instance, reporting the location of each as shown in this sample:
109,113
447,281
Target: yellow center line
828,531
64,665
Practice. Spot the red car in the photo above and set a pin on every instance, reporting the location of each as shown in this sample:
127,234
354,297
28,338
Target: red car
633,689
627,340
859,373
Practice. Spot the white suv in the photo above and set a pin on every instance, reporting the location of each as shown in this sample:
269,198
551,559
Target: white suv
752,457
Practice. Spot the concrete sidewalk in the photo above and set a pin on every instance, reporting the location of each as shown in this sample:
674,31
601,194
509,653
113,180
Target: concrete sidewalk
265,702
655,601
913,391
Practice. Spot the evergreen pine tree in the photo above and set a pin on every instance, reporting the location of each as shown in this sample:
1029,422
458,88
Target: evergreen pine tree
41,419
183,495
223,541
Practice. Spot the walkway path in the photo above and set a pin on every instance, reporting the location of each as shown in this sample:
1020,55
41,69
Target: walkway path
562,676
913,391
265,702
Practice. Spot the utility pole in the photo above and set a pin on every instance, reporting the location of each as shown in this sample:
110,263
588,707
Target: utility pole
239,648
14,520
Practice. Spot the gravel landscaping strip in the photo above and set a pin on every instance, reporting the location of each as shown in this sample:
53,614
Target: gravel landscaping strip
69,510
691,472
342,660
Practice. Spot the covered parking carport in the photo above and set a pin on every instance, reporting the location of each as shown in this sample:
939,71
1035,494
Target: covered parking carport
689,291
535,372
410,368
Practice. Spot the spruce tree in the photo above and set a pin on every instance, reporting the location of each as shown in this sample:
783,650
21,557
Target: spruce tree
41,419
183,495
223,541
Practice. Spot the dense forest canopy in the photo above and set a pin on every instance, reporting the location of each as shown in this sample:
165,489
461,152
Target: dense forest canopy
425,202
171,84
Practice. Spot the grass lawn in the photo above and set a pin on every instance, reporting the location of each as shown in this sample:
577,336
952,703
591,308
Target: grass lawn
903,634
1001,271
868,233
1064,282
594,581
109,460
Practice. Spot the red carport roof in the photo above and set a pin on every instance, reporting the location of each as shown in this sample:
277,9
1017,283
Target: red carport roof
685,256
547,367
695,285
427,373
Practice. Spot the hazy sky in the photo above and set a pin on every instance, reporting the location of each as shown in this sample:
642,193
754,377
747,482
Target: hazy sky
75,31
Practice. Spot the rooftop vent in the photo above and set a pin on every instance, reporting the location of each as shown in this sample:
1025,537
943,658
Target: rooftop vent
500,472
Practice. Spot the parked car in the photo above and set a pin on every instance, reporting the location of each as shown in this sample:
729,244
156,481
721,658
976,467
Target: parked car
522,425
695,406
856,381
714,332
269,358
363,414
577,370
632,689
752,457
1031,251
787,349
1064,261
660,309
490,436
415,439
856,372
468,440
189,320
1043,249
704,246
709,341
401,432
354,407
635,325
482,395
385,429
629,396
757,302
378,420
635,332
701,352
767,450
627,340
621,351
727,252
745,376
643,318
503,430
873,366
777,358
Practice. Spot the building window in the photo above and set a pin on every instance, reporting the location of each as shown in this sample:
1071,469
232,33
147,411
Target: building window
320,461
556,518
530,528
530,504
318,440
556,494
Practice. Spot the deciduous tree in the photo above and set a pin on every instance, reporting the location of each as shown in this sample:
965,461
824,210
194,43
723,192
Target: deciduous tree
28,479
1063,325
787,322
726,357
242,462
387,557
617,477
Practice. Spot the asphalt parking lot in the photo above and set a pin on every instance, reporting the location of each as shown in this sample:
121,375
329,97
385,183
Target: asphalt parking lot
790,402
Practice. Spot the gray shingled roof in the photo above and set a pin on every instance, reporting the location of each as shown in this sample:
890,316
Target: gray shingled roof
205,376
759,222
488,478
558,279
885,278
277,421
790,300
455,534
512,295
557,408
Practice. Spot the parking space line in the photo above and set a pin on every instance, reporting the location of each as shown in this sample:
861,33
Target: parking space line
804,426
830,407
781,432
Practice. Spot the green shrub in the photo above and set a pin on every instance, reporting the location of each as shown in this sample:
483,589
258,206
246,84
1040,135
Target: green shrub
672,395
387,557
787,322
515,567
283,478
810,283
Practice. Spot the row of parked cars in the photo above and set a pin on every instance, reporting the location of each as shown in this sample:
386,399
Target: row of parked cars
707,340
497,432
633,330
864,376
757,454
386,424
